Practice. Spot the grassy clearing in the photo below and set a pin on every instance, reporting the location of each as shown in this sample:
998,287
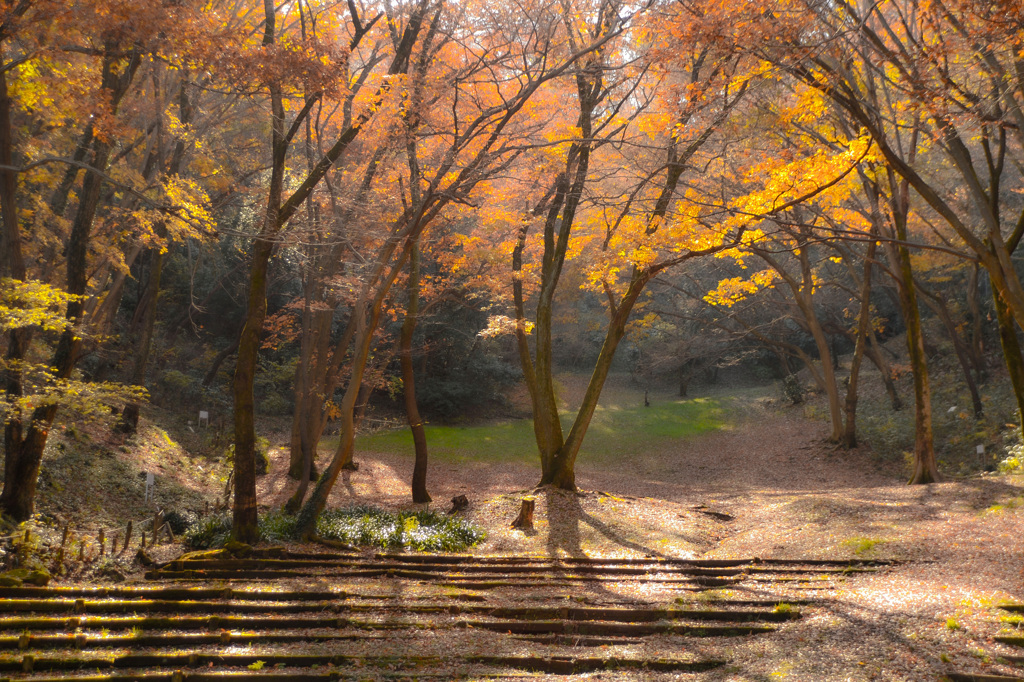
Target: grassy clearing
614,431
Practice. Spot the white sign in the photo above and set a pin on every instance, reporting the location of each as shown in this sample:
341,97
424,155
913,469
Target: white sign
150,484
204,416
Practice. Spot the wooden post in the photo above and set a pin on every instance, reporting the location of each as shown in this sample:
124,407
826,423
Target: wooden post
158,520
63,543
102,539
81,551
127,537
23,550
525,519
142,542
114,542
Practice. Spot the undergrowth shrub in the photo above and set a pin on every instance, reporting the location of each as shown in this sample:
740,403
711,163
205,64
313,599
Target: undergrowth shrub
1013,461
422,531
956,431
260,450
208,531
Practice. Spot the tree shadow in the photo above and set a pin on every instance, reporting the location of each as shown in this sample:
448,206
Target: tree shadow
565,514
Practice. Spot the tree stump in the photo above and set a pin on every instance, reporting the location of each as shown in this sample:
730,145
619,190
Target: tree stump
525,519
459,502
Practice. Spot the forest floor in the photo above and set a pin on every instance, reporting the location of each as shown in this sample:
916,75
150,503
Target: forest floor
763,483
787,494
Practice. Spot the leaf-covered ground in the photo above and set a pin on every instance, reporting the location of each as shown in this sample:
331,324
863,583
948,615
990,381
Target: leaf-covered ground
755,480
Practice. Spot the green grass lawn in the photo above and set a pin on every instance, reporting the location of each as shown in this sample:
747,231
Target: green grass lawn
615,430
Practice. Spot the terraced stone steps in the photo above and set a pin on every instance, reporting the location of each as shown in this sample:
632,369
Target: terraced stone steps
1004,639
398,617
513,572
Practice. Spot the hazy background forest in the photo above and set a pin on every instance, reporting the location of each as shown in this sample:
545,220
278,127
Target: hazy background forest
320,218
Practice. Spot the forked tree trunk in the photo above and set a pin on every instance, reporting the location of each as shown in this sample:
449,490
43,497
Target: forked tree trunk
542,433
563,473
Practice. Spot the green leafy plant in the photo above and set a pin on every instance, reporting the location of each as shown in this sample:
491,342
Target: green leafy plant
423,531
208,531
256,665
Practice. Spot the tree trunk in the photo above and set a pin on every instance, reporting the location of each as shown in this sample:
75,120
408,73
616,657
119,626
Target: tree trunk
303,377
925,468
22,462
977,346
940,309
244,521
130,417
863,325
1011,353
412,412
547,426
523,342
827,369
244,515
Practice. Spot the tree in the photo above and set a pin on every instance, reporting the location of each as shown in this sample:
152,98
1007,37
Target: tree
105,50
477,123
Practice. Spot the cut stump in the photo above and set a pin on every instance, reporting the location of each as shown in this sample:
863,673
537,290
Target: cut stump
525,519
459,503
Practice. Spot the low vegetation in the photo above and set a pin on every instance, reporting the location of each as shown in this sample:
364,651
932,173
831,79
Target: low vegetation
362,526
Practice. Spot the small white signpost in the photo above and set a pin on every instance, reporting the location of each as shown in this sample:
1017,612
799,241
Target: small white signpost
204,416
150,484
